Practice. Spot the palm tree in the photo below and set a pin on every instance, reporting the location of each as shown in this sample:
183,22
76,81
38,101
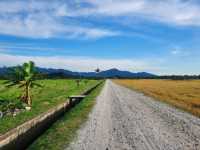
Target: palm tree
97,70
24,77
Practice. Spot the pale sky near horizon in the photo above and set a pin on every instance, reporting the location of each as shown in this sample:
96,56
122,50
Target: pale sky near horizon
157,36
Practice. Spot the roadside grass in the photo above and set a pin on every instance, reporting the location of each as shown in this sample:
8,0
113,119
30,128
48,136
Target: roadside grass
184,94
64,130
51,94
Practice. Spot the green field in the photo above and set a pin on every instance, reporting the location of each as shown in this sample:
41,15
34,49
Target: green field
51,94
64,130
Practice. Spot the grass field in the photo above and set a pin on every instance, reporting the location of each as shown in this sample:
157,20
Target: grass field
52,93
64,130
182,94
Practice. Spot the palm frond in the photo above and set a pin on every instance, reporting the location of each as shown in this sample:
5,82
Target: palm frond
36,84
7,82
22,85
10,85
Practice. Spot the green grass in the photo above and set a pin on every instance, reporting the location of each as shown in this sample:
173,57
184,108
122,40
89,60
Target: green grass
51,94
64,130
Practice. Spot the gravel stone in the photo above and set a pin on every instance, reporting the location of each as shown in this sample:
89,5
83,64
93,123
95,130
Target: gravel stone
123,119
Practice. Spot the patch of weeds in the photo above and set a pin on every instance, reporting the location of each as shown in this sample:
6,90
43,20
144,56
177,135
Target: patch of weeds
11,107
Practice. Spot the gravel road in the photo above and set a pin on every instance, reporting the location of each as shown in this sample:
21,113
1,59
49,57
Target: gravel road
123,119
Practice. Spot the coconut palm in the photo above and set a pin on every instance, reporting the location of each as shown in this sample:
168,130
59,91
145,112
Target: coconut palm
24,77
97,70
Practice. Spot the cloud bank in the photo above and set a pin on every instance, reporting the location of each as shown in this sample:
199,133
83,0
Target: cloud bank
79,63
69,19
40,19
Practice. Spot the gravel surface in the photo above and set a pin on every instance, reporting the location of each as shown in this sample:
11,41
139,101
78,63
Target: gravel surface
123,119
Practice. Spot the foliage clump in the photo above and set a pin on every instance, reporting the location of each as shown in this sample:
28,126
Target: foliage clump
11,107
24,77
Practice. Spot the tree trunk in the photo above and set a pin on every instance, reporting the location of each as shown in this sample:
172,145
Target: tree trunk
24,95
29,102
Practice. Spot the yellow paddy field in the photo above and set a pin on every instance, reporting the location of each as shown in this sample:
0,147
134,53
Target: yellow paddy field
182,94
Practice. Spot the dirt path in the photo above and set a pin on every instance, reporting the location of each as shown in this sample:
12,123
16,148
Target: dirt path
126,120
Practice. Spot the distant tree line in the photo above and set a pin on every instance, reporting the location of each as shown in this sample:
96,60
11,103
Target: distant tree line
171,77
179,77
58,75
63,76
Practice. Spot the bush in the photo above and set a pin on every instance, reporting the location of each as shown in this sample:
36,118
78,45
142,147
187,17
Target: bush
10,105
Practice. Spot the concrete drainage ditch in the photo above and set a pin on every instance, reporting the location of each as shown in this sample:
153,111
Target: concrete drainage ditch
22,136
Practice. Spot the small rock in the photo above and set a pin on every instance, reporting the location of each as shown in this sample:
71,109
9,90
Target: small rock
28,108
14,114
1,114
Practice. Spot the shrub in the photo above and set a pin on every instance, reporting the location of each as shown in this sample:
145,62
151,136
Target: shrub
10,105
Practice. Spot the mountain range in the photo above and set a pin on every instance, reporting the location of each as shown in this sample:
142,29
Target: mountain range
111,73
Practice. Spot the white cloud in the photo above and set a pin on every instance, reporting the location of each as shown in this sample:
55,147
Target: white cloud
162,66
41,19
177,51
80,63
14,47
172,12
47,27
38,19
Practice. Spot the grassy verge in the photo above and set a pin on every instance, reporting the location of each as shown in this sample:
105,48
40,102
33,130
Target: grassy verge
64,130
51,94
184,94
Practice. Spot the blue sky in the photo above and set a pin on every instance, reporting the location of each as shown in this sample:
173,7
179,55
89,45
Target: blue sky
158,36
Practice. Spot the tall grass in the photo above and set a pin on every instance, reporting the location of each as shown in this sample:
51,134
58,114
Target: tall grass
184,94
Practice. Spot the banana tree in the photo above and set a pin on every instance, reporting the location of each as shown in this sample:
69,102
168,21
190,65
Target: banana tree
97,70
24,77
